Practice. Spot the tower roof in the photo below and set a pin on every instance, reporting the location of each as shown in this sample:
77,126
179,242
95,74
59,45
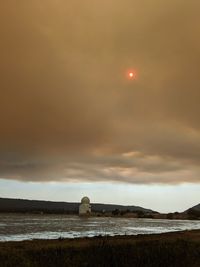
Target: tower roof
85,200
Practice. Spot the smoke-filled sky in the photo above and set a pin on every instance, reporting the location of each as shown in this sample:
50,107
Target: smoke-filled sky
69,113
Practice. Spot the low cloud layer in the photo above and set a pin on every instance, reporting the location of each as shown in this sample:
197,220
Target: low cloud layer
68,111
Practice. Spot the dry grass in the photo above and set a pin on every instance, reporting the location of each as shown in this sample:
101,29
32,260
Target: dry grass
181,249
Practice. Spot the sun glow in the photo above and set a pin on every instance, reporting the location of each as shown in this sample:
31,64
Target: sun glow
132,75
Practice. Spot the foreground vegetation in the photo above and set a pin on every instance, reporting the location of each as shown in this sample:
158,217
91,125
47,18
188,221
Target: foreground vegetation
179,249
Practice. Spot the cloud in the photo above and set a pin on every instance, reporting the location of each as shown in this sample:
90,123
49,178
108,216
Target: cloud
67,111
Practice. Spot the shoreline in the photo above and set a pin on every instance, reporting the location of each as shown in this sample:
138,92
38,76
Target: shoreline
181,248
160,216
192,234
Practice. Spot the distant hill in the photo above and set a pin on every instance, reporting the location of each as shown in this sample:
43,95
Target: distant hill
24,205
194,212
195,208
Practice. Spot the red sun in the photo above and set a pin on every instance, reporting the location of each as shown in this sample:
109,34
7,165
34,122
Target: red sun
132,75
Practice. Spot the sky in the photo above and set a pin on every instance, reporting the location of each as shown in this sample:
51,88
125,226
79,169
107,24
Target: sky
72,121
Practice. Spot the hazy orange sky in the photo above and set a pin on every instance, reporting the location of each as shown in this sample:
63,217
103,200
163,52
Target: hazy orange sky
69,113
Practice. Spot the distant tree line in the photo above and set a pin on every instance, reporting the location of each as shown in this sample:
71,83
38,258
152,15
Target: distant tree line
139,213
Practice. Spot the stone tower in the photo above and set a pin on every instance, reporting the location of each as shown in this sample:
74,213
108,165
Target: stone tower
85,207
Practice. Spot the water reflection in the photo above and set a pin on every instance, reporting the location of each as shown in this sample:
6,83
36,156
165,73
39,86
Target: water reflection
22,227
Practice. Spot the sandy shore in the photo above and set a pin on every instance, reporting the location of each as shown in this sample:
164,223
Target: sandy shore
169,249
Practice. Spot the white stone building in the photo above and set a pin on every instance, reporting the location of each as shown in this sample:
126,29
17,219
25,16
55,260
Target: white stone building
85,207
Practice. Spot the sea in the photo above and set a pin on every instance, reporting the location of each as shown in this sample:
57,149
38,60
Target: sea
18,227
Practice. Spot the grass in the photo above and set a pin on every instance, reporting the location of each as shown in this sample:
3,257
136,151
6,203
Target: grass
181,249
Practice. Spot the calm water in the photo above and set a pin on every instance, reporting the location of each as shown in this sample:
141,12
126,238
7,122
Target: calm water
22,227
